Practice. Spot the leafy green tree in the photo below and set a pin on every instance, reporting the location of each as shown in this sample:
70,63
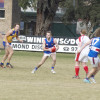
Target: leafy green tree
87,10
46,10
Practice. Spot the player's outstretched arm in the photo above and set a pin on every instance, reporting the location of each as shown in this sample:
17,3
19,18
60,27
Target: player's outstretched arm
17,37
57,46
79,46
89,42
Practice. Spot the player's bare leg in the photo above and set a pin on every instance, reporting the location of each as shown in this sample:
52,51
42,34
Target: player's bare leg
9,57
93,73
4,57
53,56
40,63
10,54
77,68
97,69
90,74
93,70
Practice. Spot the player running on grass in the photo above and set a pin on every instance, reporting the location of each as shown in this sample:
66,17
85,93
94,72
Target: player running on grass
50,47
7,45
81,57
93,55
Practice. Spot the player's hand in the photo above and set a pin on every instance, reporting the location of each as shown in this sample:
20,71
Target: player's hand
50,49
78,51
21,41
56,48
7,44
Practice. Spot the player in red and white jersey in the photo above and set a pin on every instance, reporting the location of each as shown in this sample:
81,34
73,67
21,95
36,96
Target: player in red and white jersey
81,57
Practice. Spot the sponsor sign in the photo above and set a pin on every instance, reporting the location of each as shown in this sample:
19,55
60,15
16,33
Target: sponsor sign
33,43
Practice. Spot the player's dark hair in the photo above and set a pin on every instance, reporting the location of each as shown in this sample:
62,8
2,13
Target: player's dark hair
49,32
97,32
15,24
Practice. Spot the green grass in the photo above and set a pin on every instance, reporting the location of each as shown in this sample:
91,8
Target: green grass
19,84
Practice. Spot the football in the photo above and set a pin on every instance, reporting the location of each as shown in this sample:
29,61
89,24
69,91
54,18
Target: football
53,49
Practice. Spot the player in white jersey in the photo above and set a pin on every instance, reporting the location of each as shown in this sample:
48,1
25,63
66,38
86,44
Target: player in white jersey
81,57
93,55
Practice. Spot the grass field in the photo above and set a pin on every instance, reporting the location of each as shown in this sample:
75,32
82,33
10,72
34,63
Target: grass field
19,84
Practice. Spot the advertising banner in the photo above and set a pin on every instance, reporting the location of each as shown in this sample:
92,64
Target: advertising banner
33,43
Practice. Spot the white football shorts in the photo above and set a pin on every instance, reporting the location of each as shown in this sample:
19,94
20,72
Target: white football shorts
82,57
45,54
94,61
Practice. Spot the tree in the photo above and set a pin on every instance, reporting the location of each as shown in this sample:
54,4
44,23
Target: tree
46,10
87,10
